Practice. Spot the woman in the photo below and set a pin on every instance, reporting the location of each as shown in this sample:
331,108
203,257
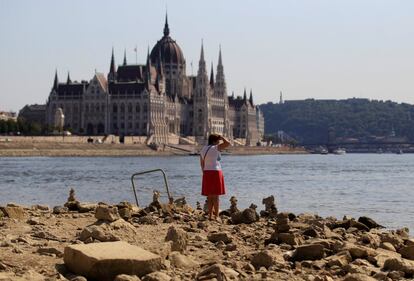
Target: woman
213,180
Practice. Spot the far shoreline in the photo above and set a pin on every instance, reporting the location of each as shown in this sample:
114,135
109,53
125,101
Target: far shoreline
59,149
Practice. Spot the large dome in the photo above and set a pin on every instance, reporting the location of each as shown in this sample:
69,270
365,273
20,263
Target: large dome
168,49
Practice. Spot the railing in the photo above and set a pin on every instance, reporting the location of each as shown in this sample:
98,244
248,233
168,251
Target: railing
147,172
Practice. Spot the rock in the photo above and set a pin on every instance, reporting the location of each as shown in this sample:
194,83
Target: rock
263,259
104,261
248,216
407,252
106,213
60,210
87,207
181,261
13,211
125,213
396,264
387,246
33,221
178,237
125,277
215,237
98,232
50,250
230,247
308,252
41,208
341,259
150,220
219,272
358,277
72,205
156,276
370,223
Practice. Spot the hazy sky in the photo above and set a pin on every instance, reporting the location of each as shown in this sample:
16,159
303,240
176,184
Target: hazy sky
307,49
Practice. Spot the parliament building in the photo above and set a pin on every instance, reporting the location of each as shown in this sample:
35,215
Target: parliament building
157,100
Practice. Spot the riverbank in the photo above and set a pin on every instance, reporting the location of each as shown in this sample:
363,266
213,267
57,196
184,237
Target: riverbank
61,149
61,243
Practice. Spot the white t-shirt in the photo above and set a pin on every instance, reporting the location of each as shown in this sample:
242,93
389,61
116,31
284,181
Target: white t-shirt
212,158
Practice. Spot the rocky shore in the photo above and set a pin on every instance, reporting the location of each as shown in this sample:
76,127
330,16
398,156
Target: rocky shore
96,241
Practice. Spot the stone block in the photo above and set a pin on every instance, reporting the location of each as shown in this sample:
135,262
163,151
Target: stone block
104,261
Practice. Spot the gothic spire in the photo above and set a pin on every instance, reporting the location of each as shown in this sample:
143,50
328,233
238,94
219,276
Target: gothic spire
125,61
212,76
112,67
202,63
56,81
281,98
220,63
166,28
251,97
202,52
244,95
68,81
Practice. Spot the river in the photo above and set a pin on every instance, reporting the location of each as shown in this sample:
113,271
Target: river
375,185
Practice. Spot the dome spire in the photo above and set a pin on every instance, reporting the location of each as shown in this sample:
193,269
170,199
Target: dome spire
166,28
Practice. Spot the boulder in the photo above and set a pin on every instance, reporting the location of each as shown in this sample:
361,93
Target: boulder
341,259
14,212
97,232
407,252
398,264
60,210
106,213
308,252
178,237
370,223
49,251
215,237
104,261
387,246
181,261
219,272
87,207
263,259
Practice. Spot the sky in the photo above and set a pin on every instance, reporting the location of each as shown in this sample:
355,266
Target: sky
322,49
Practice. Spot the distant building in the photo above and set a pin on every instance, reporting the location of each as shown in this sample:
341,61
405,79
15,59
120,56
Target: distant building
8,116
34,113
156,99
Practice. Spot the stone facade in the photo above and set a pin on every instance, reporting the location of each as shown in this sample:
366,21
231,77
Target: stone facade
156,99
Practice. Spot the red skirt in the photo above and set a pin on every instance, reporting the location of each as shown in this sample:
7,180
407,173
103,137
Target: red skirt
213,183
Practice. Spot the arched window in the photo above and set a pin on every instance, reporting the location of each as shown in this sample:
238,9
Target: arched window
122,108
145,108
129,108
115,108
137,108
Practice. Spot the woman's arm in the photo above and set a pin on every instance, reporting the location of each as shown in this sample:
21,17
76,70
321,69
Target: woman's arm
225,143
201,163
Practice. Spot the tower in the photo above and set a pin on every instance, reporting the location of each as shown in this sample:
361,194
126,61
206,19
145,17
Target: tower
280,98
201,99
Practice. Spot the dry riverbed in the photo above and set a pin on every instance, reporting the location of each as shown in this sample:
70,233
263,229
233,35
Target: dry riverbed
175,242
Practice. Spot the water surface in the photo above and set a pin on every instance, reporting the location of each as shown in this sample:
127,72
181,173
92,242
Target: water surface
375,185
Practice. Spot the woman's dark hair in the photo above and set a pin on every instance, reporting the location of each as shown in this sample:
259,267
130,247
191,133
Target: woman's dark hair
213,138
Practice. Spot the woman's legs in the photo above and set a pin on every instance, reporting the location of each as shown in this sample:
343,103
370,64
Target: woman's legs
216,205
210,205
